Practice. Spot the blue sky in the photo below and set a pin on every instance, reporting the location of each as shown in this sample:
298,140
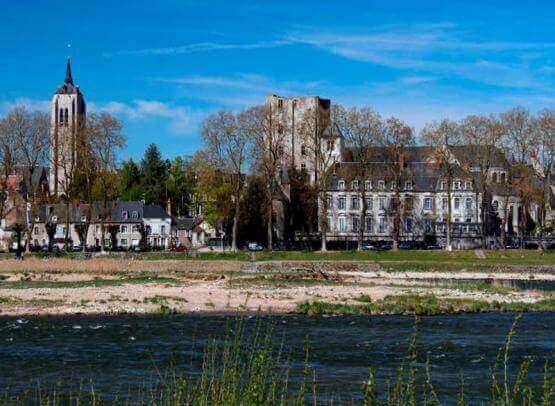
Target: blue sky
162,66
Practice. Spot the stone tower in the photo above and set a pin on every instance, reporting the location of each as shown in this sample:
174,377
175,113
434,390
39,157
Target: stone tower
68,112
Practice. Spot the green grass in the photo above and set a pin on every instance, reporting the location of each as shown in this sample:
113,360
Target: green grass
422,305
84,284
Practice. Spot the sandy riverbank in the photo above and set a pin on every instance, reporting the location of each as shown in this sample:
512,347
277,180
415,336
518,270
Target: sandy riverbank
63,286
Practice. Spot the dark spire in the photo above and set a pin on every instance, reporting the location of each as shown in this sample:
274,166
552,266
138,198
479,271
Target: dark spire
69,79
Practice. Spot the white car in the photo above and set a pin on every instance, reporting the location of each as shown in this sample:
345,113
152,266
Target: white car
254,246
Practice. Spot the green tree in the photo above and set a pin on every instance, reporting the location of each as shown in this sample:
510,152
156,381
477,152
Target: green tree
179,184
154,173
129,181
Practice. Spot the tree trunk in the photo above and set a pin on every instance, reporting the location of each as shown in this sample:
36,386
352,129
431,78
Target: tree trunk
323,221
269,225
235,225
362,221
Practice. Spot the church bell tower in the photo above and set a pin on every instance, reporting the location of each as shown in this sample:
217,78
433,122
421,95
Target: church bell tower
68,111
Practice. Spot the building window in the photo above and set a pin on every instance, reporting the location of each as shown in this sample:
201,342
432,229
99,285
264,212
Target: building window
354,185
341,203
36,230
468,185
123,242
468,203
123,229
443,185
381,184
393,185
382,203
408,185
382,225
280,103
303,150
369,203
134,242
330,203
494,177
163,230
355,203
124,215
457,203
135,215
342,224
408,225
502,177
83,219
444,203
408,203
330,223
97,228
427,203
341,185
329,145
135,228
355,221
495,205
427,225
303,167
457,185
369,224
368,185
54,219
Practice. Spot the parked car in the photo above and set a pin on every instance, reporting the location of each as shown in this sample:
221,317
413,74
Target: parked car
180,248
404,245
75,248
386,245
366,246
255,246
436,246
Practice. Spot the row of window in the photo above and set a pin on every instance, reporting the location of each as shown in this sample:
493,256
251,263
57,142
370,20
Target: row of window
408,203
124,229
368,185
344,225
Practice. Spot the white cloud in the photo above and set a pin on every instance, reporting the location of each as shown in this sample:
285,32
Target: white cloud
30,104
200,47
438,49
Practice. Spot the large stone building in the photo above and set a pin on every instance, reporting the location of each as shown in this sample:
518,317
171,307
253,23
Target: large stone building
68,110
417,207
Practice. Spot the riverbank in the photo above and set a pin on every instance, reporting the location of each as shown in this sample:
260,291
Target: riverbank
389,286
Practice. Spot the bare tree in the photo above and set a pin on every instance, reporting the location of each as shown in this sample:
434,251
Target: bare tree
518,140
397,136
226,142
482,135
543,156
441,136
104,135
362,129
33,147
267,152
319,136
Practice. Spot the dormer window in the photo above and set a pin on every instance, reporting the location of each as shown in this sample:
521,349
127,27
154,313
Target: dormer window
280,103
443,185
54,219
354,185
135,215
381,184
408,185
393,185
83,219
468,185
303,150
341,185
457,185
124,215
368,185
37,219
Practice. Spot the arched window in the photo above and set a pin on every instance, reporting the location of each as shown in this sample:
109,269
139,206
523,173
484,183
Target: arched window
66,116
341,185
61,119
502,177
494,177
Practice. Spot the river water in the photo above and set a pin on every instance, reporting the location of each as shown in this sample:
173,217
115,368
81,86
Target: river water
120,352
